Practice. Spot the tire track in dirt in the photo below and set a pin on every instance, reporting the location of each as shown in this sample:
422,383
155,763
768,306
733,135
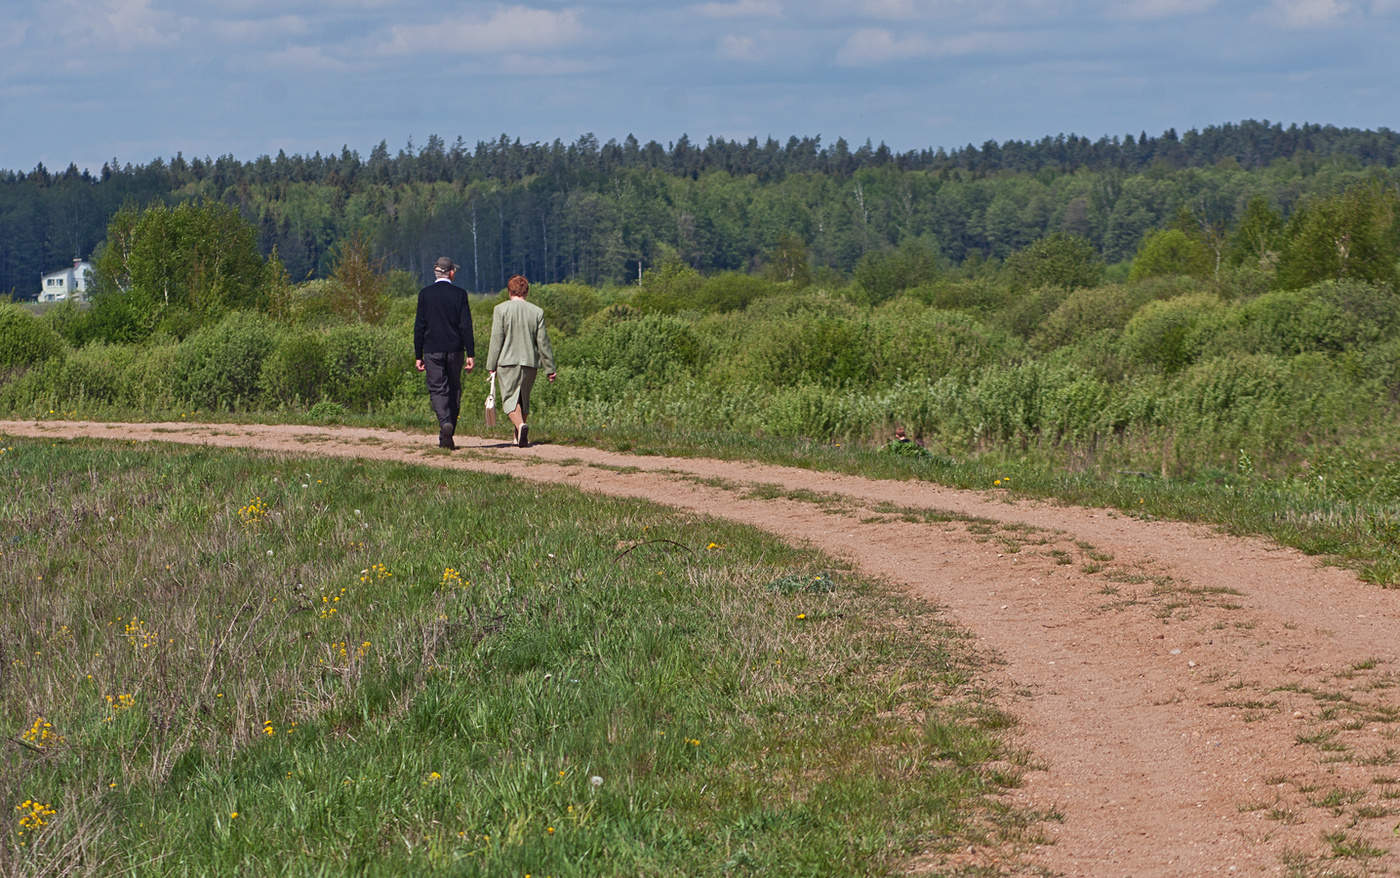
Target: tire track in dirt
1199,704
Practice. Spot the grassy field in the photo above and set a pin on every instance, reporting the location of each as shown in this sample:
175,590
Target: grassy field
223,663
1344,516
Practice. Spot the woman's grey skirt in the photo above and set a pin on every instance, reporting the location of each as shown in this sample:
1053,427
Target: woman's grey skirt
515,383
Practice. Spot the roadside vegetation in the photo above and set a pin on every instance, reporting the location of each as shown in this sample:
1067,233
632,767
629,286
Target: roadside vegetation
1246,376
221,663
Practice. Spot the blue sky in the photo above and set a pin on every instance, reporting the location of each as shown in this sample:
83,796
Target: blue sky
88,80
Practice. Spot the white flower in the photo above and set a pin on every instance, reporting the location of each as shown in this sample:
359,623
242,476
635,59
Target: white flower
596,780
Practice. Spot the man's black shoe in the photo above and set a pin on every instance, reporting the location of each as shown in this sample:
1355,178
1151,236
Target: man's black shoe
445,439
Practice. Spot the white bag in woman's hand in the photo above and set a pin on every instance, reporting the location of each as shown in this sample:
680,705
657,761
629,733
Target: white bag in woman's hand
491,403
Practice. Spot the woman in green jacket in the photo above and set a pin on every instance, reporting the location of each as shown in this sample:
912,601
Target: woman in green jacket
519,349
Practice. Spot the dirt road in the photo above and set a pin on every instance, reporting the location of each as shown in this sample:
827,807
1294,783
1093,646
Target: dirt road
1200,704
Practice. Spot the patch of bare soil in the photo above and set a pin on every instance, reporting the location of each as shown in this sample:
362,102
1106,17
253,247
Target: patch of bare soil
1197,704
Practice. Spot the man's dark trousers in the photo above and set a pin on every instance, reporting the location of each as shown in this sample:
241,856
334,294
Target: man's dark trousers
444,374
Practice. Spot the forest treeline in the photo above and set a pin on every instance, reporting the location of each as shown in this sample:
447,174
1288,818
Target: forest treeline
606,212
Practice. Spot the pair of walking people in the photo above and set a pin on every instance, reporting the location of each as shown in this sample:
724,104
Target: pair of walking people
444,347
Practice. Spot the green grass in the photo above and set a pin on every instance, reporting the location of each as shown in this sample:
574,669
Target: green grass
1359,534
388,669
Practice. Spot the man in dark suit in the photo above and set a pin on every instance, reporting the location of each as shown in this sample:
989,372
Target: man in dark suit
442,332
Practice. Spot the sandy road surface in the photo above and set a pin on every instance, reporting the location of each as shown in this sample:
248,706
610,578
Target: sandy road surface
1201,704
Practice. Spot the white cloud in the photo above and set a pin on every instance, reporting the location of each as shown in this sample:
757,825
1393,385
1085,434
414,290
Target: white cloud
983,43
1152,9
243,30
1308,13
736,47
308,6
119,24
898,9
507,28
870,46
885,9
534,65
304,58
952,13
14,35
741,9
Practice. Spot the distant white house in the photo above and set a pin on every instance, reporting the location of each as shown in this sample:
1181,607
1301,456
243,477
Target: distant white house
72,282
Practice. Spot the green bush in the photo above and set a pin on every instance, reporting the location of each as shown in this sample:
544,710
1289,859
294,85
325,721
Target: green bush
1164,334
672,287
808,411
363,364
149,376
98,376
1333,316
1239,282
812,302
400,284
68,320
648,351
1354,234
1030,308
33,391
980,296
1006,404
880,274
295,371
327,412
311,302
1381,364
117,317
1375,308
565,306
25,340
1034,404
1272,407
1353,475
906,339
731,291
1171,251
1280,322
1089,310
1099,353
219,366
806,348
1060,260
601,320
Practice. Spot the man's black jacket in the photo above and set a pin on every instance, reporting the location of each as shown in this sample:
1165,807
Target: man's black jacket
444,321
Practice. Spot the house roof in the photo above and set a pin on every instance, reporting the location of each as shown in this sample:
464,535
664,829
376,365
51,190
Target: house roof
81,263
